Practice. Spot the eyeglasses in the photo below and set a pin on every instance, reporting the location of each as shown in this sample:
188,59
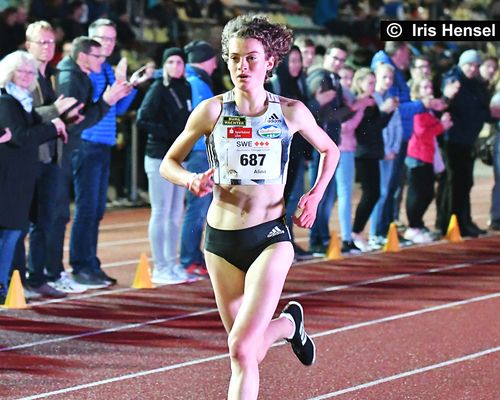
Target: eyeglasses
49,42
25,71
340,60
96,55
107,38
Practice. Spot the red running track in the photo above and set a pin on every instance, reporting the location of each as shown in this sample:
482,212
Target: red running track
423,323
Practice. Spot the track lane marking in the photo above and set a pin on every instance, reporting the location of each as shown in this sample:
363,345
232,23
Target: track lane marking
211,310
467,357
282,342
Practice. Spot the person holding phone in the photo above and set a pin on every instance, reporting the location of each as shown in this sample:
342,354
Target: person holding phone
91,165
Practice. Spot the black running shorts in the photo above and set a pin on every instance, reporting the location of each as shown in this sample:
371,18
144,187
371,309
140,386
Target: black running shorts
242,247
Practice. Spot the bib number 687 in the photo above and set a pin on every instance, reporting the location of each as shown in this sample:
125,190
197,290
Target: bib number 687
252,159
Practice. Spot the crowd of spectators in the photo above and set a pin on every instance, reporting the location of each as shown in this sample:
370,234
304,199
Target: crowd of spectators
398,112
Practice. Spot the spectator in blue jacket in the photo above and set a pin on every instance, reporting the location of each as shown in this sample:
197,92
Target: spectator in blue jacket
397,54
73,81
202,62
91,162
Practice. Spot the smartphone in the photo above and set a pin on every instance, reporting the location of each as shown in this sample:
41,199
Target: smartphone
139,74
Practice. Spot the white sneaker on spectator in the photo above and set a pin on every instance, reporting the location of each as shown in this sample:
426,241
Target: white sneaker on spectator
170,277
182,273
67,284
410,233
417,235
376,242
360,242
30,294
423,237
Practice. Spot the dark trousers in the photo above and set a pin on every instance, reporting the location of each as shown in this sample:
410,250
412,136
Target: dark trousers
456,198
42,213
44,204
57,230
91,162
390,211
368,172
420,193
294,187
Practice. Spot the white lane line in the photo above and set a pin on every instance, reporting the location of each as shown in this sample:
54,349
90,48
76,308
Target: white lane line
113,243
408,314
126,225
467,357
105,292
212,310
280,343
128,376
109,330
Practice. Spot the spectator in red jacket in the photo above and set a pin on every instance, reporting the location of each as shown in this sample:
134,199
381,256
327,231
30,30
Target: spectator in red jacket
419,160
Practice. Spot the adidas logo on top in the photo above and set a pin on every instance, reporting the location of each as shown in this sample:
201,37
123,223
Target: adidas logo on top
273,118
275,232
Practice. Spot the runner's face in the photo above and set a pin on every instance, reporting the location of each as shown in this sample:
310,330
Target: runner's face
247,63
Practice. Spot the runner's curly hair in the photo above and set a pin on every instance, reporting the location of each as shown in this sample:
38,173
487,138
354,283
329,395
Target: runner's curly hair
276,38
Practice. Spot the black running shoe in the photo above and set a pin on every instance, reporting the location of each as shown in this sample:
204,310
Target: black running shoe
302,344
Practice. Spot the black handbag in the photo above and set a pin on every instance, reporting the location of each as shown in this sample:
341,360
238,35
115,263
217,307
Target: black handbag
484,149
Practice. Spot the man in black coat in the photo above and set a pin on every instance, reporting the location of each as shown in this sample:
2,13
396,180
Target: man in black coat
469,110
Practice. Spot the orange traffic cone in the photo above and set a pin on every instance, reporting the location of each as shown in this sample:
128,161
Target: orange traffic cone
142,278
333,251
392,244
453,232
15,295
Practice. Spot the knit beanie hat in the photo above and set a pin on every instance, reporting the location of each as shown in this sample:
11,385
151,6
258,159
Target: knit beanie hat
469,56
173,51
198,51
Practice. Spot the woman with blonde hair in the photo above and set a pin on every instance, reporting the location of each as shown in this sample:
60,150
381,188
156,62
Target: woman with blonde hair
369,150
19,155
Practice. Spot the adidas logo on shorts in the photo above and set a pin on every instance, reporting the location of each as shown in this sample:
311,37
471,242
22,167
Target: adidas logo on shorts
273,118
275,232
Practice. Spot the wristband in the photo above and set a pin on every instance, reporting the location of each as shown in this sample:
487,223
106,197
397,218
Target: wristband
190,180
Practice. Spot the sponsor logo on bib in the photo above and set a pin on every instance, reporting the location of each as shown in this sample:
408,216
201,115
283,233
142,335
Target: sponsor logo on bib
236,132
269,131
235,121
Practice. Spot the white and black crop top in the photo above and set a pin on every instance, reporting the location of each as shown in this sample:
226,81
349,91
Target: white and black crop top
249,150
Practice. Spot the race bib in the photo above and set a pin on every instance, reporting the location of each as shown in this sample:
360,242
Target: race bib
256,158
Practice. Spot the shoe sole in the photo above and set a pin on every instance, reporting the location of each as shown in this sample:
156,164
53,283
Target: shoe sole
68,290
303,319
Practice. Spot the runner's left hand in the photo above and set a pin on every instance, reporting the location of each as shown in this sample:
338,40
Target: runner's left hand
306,210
